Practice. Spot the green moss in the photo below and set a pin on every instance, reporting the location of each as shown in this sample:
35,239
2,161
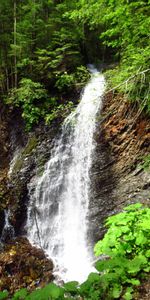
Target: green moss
40,164
146,163
27,151
18,165
31,145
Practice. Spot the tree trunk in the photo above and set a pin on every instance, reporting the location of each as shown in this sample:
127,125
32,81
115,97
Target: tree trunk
15,42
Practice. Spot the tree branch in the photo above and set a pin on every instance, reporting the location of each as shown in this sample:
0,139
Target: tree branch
126,81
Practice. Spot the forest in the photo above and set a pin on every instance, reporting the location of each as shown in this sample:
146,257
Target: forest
46,48
46,45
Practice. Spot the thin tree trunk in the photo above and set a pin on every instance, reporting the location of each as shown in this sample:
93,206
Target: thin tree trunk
15,41
11,75
2,85
7,79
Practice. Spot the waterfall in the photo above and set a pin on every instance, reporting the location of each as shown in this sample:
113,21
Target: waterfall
59,199
8,231
13,161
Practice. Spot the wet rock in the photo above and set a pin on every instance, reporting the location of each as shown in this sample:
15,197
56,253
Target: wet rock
29,163
2,220
123,138
8,119
22,265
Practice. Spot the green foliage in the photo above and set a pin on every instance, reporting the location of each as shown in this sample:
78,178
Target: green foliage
146,163
124,28
4,295
60,111
71,287
50,41
32,98
60,65
20,295
127,236
132,82
126,244
125,257
81,75
49,292
91,288
64,81
128,294
40,59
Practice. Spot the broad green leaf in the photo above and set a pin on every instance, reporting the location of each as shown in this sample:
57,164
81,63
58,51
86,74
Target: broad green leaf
128,294
71,286
20,295
147,253
133,281
140,239
3,295
100,265
116,292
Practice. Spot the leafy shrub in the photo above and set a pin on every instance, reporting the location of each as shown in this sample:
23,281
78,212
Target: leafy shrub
60,111
31,97
64,81
21,294
3,295
82,75
127,247
123,28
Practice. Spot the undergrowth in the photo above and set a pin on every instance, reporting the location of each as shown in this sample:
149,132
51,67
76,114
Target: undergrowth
123,261
37,104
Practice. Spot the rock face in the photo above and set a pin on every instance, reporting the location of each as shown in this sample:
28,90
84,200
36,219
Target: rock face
123,139
4,153
30,162
21,264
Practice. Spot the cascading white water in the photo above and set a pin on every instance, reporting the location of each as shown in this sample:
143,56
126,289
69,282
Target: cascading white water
58,210
8,230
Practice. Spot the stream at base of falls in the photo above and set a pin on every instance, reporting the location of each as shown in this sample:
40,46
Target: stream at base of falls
59,199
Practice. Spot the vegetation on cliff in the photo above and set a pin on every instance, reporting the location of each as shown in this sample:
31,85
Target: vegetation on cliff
123,27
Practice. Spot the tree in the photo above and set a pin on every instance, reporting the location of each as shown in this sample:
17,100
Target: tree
124,28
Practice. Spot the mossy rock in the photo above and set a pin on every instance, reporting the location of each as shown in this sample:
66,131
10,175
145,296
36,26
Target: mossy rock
27,151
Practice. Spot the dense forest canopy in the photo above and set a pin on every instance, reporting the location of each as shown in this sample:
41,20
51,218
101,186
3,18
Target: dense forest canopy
46,44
